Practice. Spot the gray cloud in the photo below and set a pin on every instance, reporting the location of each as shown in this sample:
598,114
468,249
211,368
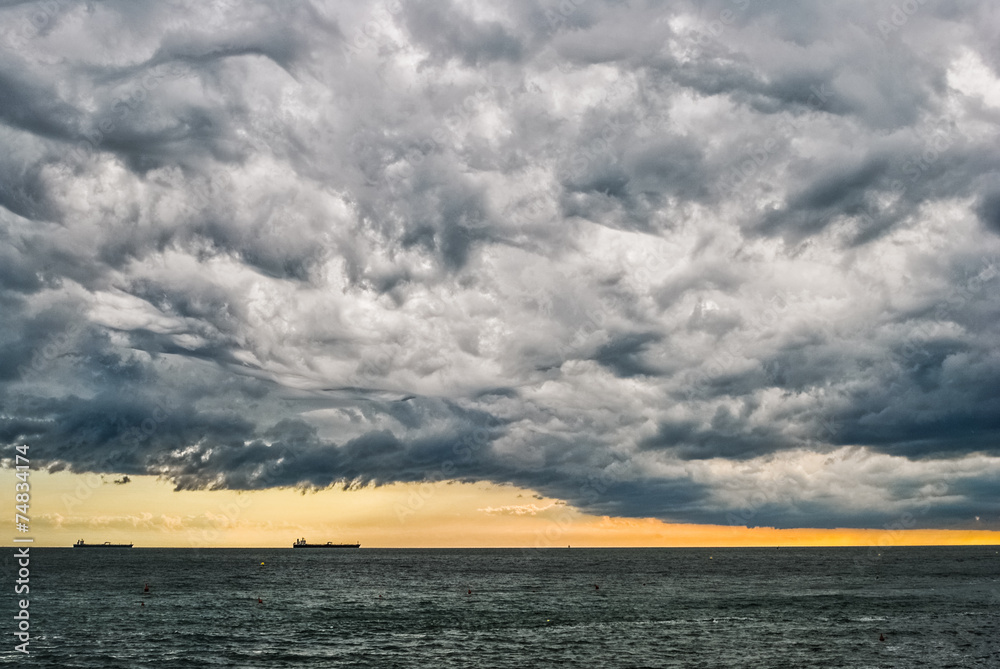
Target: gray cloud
726,262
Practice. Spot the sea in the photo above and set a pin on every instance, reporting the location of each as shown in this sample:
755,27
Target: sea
557,607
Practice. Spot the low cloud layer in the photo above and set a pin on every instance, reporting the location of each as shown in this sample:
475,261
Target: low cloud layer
723,262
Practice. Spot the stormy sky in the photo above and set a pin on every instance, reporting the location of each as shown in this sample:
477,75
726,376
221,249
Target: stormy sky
730,262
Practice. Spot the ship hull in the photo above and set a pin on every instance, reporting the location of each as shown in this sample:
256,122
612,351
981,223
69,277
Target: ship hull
326,545
102,546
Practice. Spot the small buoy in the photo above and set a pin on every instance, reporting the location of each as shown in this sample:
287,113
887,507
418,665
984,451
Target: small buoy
470,592
597,587
881,638
261,564
142,603
146,589
260,601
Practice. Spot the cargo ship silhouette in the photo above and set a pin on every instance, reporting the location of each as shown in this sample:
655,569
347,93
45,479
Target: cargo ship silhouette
106,544
301,543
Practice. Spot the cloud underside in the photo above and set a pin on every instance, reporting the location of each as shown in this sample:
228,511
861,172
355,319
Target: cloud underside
723,262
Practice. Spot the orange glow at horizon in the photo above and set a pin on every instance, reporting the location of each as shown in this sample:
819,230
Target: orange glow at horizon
147,512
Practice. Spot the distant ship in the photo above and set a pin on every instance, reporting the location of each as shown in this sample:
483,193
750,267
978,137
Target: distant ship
106,544
301,543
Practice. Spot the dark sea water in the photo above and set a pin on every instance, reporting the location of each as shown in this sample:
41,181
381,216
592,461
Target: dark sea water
817,607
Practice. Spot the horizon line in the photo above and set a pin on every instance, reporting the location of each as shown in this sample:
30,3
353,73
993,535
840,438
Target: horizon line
558,548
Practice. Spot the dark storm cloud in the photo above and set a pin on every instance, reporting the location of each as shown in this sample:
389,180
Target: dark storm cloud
989,210
446,32
730,262
623,355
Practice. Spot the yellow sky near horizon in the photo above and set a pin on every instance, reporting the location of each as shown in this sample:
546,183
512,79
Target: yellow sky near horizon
147,511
